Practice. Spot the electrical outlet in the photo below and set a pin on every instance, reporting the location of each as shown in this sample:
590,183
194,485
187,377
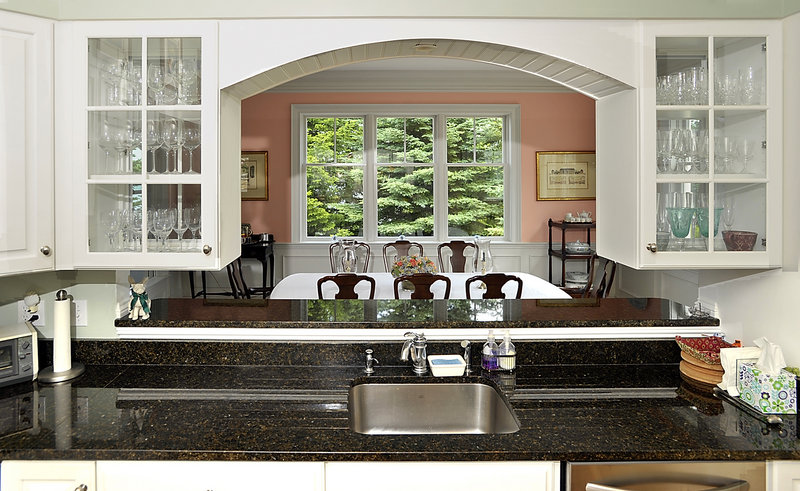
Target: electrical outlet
81,313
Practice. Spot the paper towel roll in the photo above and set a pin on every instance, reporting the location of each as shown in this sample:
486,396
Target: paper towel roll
62,356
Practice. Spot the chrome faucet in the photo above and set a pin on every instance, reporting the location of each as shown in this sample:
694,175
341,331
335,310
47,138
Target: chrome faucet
416,345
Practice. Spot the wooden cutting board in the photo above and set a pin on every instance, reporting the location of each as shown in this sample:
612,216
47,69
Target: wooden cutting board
700,363
700,374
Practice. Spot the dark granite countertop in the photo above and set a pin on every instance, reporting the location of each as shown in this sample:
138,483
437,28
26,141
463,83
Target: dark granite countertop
386,314
576,401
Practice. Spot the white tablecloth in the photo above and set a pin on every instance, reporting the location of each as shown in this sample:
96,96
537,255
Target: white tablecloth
304,286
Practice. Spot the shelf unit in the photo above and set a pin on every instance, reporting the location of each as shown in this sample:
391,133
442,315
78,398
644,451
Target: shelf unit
562,254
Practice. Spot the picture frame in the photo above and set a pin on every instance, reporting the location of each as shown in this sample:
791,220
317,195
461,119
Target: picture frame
566,176
254,176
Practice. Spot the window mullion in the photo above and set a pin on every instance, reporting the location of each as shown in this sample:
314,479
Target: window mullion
440,231
370,178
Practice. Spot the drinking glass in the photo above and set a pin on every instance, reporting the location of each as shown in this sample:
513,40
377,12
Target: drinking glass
187,81
108,143
482,260
191,140
662,221
725,154
171,134
750,85
702,220
747,149
156,80
166,220
728,213
154,142
192,218
180,228
664,152
680,221
680,149
110,221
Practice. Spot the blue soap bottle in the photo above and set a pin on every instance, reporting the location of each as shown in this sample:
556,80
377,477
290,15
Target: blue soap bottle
489,353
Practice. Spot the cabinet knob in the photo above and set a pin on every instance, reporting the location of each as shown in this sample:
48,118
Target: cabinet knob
82,487
652,247
45,250
206,249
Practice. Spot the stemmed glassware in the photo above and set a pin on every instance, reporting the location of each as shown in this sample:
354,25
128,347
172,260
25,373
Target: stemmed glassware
180,228
154,142
156,80
725,152
108,143
112,225
172,136
191,140
165,221
728,213
187,81
680,217
746,153
191,216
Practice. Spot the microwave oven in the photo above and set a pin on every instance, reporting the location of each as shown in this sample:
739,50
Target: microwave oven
18,354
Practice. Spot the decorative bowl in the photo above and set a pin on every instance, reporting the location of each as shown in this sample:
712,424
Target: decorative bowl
738,240
576,277
578,247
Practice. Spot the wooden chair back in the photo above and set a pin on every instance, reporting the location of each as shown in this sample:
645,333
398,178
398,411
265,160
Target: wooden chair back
422,285
494,284
402,247
601,277
457,260
362,257
347,285
239,288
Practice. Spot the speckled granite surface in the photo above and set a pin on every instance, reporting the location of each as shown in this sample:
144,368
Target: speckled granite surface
578,401
257,313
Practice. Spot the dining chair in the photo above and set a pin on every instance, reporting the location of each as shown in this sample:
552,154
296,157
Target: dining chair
457,259
236,278
601,277
362,253
401,247
494,284
347,285
422,285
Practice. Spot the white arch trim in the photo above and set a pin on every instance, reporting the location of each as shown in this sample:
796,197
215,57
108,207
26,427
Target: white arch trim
569,74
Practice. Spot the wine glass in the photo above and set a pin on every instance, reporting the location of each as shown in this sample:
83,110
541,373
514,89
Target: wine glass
192,218
154,142
728,213
191,140
136,229
181,227
747,149
110,221
187,81
165,222
726,151
664,151
156,80
171,134
107,143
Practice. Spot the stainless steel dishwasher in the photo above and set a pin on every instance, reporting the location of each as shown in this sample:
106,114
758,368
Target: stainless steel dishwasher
666,476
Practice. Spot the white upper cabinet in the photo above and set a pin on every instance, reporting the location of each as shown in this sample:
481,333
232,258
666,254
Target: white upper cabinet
26,144
138,164
710,155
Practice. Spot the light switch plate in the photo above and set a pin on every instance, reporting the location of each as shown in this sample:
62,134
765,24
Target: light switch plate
81,313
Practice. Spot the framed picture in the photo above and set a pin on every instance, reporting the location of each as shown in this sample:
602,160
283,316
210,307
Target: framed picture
565,175
254,176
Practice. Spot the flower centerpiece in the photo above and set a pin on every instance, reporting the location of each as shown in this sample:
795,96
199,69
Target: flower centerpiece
404,265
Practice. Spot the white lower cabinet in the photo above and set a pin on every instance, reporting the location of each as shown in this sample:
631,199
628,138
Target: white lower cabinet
56,475
783,476
273,476
216,476
436,476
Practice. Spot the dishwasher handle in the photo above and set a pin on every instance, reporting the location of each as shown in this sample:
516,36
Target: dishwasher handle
733,486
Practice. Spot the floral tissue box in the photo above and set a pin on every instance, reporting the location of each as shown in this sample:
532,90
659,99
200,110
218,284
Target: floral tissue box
768,394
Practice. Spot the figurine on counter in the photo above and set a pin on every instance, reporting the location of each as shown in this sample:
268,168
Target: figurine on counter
140,303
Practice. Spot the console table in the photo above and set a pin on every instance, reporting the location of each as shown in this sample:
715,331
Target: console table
262,251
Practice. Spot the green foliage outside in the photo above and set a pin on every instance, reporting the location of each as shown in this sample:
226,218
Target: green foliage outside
404,176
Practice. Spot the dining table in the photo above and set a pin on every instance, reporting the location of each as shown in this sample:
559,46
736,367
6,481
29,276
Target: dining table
303,286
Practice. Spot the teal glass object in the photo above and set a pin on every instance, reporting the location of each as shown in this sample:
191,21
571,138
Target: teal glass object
702,219
680,219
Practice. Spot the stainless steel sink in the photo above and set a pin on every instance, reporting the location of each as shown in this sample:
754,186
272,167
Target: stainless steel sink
429,408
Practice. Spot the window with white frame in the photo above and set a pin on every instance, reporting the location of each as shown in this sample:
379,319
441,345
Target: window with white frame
425,171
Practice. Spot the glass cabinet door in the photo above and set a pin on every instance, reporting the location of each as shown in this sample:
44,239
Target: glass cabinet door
144,138
711,144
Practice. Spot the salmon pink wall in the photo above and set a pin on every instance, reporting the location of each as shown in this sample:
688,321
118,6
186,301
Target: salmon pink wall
550,122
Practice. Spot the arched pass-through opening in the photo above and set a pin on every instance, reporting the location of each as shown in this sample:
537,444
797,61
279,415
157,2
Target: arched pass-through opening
569,74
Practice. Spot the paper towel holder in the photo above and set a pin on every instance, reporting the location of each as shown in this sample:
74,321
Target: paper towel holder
61,341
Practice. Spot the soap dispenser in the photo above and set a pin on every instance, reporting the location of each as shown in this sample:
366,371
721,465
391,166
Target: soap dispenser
489,353
507,354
